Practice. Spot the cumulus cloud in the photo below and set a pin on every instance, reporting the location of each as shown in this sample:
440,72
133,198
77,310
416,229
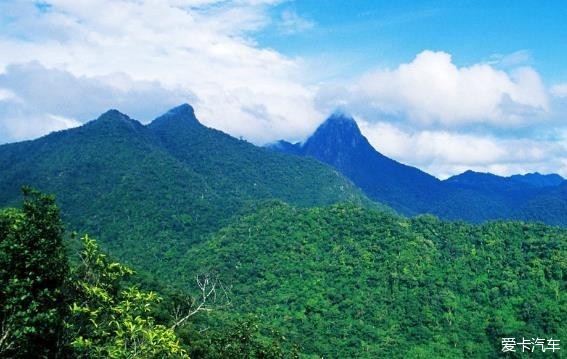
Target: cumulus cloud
432,91
445,153
176,46
494,116
64,62
41,100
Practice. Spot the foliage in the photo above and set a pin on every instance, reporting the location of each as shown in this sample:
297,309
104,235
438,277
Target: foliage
219,336
93,310
110,322
147,193
33,270
343,281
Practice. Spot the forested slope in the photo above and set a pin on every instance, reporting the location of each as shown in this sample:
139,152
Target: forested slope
149,192
348,282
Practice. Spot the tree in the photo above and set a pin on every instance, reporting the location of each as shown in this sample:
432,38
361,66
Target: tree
212,294
108,321
33,271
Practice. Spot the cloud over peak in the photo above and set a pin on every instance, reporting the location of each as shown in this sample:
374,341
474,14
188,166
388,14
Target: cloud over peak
63,62
432,91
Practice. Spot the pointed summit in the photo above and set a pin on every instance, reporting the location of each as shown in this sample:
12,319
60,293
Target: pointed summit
338,132
182,114
184,110
340,122
339,143
114,120
339,118
113,115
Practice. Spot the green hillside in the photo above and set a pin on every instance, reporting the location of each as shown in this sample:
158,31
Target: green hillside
346,282
148,196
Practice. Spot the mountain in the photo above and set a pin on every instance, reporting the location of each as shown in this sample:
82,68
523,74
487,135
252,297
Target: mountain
180,201
470,196
531,197
339,143
287,147
346,282
149,192
507,190
538,180
549,207
241,171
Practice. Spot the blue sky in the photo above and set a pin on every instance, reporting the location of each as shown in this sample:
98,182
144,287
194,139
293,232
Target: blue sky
442,85
391,32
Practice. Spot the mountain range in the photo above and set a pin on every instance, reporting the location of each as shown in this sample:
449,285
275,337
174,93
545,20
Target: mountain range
297,246
470,196
174,181
177,181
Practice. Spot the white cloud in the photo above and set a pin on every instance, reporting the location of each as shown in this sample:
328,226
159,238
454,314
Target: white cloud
63,100
431,91
66,63
423,113
197,47
446,153
8,95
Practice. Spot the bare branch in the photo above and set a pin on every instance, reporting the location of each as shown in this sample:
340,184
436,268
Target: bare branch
211,292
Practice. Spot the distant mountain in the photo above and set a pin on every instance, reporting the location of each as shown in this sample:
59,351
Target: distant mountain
549,207
339,143
470,196
149,192
287,147
507,190
539,180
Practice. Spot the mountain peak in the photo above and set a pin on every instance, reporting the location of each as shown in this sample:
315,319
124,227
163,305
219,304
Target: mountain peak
115,119
114,114
338,128
181,114
185,110
341,120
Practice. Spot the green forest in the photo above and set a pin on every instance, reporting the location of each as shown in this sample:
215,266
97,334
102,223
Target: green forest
177,240
280,281
283,179
57,304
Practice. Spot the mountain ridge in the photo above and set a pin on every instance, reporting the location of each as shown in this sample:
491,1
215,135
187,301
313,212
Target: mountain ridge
174,181
470,196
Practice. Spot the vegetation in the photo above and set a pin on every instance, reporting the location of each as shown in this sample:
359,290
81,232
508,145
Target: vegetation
147,193
50,309
343,281
224,269
470,196
33,271
108,321
339,281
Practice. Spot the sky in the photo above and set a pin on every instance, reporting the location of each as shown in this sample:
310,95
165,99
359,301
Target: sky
445,86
